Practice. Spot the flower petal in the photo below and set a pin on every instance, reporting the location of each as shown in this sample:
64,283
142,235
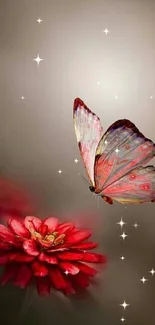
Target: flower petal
39,269
43,286
23,276
43,230
86,269
93,258
4,258
85,246
21,257
30,247
8,274
69,268
32,223
51,223
57,279
48,258
81,280
65,227
18,228
70,256
6,235
78,236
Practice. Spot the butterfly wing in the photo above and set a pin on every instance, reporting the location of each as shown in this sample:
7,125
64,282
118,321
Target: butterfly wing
88,131
137,186
121,149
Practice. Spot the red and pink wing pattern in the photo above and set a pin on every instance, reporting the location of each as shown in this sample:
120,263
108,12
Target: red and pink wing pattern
138,186
122,149
88,131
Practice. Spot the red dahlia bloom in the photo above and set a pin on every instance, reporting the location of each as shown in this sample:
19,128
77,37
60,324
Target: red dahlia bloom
52,253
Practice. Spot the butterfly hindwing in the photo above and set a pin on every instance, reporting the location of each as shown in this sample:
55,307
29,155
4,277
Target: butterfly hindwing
88,131
121,149
137,186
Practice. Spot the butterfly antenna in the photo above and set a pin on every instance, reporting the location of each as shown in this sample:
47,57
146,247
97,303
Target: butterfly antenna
85,180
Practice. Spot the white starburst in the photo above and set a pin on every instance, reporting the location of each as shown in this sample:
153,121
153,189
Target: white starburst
152,271
122,319
76,160
143,280
38,59
106,142
60,171
39,20
117,150
66,272
123,235
106,31
121,223
135,225
122,258
124,305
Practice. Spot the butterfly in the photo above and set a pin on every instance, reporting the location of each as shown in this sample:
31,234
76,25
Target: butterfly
114,160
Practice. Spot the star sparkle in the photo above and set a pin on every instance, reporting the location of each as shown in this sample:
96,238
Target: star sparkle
106,31
123,235
122,258
135,225
117,150
121,223
106,142
22,97
76,160
124,305
152,272
38,59
39,20
143,280
122,319
60,171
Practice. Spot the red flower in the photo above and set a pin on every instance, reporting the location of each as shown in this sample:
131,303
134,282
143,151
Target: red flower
52,253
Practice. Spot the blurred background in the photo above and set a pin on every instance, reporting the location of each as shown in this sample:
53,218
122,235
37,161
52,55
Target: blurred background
102,51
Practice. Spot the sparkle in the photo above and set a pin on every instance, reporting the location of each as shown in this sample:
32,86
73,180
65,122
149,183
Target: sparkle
60,171
151,97
124,305
117,150
76,160
135,225
123,235
143,280
121,223
152,271
39,20
122,319
98,82
106,142
106,31
116,97
22,98
66,272
38,59
122,258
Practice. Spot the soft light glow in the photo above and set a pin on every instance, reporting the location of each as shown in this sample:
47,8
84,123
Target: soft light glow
38,59
106,31
152,271
122,319
135,225
123,235
39,20
22,98
60,171
143,280
122,258
124,305
121,223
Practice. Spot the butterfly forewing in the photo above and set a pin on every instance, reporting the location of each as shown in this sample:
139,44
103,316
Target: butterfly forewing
88,132
121,149
136,187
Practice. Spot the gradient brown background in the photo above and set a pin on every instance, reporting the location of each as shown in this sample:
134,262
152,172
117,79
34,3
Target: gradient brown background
37,139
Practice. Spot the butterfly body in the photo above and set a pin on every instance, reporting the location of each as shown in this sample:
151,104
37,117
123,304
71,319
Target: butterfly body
114,160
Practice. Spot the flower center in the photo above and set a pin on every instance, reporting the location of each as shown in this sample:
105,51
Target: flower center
48,240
